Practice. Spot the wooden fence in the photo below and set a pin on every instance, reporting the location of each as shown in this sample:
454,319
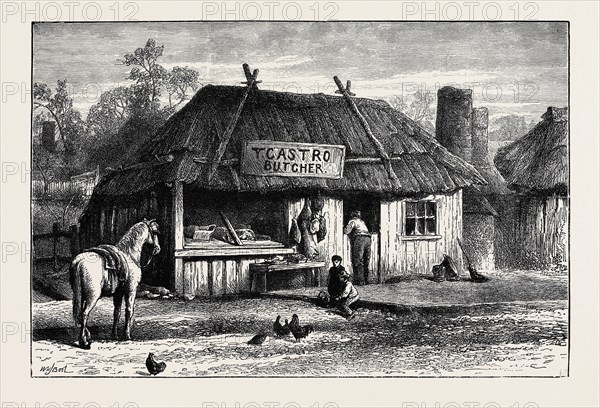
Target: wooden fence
56,258
61,189
80,184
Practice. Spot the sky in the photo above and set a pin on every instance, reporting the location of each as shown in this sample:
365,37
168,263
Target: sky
512,67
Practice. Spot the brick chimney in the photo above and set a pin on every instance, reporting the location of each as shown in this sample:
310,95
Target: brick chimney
453,122
48,140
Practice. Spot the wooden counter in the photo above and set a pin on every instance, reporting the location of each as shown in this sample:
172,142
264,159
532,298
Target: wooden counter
259,273
219,248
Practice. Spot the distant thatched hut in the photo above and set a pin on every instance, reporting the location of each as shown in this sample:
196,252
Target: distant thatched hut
406,184
536,167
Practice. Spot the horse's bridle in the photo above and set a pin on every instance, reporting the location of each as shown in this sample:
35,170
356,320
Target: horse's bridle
154,232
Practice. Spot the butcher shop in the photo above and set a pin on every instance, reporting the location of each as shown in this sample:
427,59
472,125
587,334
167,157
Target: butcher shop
252,190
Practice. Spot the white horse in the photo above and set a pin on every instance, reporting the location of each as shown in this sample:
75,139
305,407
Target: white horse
90,279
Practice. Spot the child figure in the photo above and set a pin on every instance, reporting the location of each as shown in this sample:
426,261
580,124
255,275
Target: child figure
347,296
334,285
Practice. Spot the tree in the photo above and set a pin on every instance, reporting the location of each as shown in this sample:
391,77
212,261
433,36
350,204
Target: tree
106,117
71,129
126,117
179,82
147,71
508,127
71,126
421,108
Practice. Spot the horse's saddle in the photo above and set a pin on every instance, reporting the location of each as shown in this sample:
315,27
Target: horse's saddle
114,260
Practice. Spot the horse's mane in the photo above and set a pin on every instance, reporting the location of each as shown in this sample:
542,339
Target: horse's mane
128,241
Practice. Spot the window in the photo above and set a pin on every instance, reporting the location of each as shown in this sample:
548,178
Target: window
420,218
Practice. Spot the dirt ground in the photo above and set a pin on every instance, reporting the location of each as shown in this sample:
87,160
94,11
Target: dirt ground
203,338
503,286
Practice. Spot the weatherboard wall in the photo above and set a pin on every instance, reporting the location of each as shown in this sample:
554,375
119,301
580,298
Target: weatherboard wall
401,255
392,254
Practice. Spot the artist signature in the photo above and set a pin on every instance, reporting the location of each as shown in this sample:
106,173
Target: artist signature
47,370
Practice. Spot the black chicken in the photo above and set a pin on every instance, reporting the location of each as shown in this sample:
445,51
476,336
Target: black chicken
450,269
258,339
279,329
476,276
153,366
295,323
299,331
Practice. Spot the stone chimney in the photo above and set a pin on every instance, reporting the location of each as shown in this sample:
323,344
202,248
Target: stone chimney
479,136
48,140
453,122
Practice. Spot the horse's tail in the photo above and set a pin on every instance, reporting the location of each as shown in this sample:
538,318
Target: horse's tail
75,280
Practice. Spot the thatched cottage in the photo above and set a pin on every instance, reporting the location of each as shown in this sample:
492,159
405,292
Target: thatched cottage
407,185
536,167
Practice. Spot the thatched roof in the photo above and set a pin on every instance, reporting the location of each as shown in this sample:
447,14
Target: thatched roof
191,137
477,204
495,182
539,161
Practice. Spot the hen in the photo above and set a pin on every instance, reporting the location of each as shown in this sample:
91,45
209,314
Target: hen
476,276
299,331
258,339
153,366
279,329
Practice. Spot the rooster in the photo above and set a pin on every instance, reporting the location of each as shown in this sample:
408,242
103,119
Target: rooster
279,329
153,366
298,331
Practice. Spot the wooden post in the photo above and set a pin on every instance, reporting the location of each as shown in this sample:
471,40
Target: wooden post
178,240
380,149
251,82
81,235
250,76
55,236
73,230
113,224
230,228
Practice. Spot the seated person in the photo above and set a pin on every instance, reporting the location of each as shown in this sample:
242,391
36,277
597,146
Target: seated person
347,296
334,285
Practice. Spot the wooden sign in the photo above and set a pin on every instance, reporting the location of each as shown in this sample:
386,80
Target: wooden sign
287,159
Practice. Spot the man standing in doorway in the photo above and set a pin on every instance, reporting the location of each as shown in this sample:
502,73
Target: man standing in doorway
360,240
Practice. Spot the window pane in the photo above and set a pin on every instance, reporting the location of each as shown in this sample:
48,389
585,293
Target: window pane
410,226
421,209
431,226
410,209
420,226
430,208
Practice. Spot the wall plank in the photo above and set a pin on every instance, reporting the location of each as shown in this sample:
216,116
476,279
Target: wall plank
179,275
231,276
187,278
202,273
217,267
245,279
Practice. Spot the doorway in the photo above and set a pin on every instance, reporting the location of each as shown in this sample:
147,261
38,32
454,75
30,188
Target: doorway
370,209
